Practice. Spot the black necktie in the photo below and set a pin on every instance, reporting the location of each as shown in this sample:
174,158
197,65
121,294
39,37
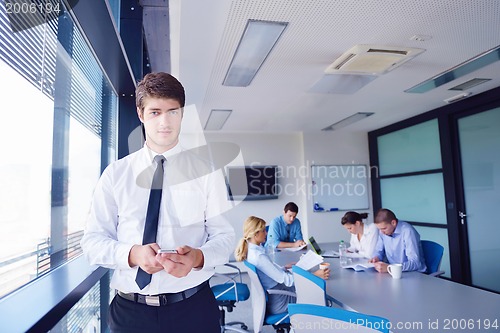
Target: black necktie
151,226
288,233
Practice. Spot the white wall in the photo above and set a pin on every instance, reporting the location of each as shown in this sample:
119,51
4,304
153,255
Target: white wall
266,149
327,148
294,153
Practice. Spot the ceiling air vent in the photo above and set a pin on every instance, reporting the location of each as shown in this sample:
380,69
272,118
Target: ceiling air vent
469,84
371,59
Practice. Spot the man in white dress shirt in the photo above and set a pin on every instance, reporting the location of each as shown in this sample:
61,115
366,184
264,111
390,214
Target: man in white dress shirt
178,297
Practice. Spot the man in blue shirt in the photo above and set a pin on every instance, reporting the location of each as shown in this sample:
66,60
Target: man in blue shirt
398,243
284,230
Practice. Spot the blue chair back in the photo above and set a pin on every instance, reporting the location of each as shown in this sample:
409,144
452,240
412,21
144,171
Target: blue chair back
433,254
325,319
310,288
259,299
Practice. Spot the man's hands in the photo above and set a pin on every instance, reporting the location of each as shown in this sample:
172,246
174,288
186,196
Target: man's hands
380,266
176,264
299,243
144,256
181,263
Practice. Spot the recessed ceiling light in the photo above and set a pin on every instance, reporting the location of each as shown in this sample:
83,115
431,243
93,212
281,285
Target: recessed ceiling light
458,97
217,119
348,121
256,43
456,72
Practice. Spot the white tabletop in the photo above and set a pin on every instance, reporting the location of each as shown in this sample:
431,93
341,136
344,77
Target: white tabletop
414,303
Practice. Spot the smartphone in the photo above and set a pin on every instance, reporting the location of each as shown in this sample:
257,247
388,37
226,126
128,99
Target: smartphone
167,251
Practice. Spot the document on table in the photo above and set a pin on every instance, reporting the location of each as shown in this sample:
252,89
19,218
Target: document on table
309,260
359,266
293,249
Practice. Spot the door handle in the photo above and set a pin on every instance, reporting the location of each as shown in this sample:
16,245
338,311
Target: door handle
462,216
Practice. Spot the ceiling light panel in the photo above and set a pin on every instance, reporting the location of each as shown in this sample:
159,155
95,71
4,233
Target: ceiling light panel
217,119
456,72
254,47
458,97
348,121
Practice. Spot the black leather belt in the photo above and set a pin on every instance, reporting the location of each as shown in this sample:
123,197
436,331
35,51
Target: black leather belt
162,299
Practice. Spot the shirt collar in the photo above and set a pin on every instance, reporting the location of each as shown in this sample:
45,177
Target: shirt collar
169,153
255,246
397,231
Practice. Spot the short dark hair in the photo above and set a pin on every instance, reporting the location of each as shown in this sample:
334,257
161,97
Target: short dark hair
159,85
385,215
353,217
291,206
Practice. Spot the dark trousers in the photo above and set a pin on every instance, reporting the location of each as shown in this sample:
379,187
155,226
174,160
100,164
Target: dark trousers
197,314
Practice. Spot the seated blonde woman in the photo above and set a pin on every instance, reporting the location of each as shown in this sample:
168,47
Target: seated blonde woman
272,276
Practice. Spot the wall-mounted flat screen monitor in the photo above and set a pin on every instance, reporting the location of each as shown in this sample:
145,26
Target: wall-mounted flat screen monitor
252,182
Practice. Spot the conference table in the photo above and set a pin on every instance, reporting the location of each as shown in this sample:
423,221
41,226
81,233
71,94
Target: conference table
415,303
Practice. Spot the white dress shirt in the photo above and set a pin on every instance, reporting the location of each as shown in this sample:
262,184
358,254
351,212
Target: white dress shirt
366,245
193,198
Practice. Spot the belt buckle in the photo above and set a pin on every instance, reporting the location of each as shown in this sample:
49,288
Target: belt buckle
152,300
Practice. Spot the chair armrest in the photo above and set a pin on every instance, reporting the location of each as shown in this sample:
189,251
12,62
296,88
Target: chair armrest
438,273
281,292
231,276
330,301
233,266
236,268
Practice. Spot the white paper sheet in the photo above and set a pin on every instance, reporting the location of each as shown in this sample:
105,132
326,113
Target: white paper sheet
293,249
309,260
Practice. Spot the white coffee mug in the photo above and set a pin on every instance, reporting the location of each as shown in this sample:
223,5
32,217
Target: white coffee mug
395,270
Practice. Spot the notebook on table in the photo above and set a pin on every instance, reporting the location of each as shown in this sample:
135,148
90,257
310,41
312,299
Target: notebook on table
317,249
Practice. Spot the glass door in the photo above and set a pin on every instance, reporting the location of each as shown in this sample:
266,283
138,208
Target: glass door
479,150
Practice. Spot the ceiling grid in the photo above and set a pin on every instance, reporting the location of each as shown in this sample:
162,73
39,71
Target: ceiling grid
279,97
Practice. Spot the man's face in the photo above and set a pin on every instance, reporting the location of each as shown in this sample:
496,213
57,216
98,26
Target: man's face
387,228
289,216
162,123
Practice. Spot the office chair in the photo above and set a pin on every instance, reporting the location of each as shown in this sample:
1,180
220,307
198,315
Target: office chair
227,294
311,289
433,254
280,321
307,318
